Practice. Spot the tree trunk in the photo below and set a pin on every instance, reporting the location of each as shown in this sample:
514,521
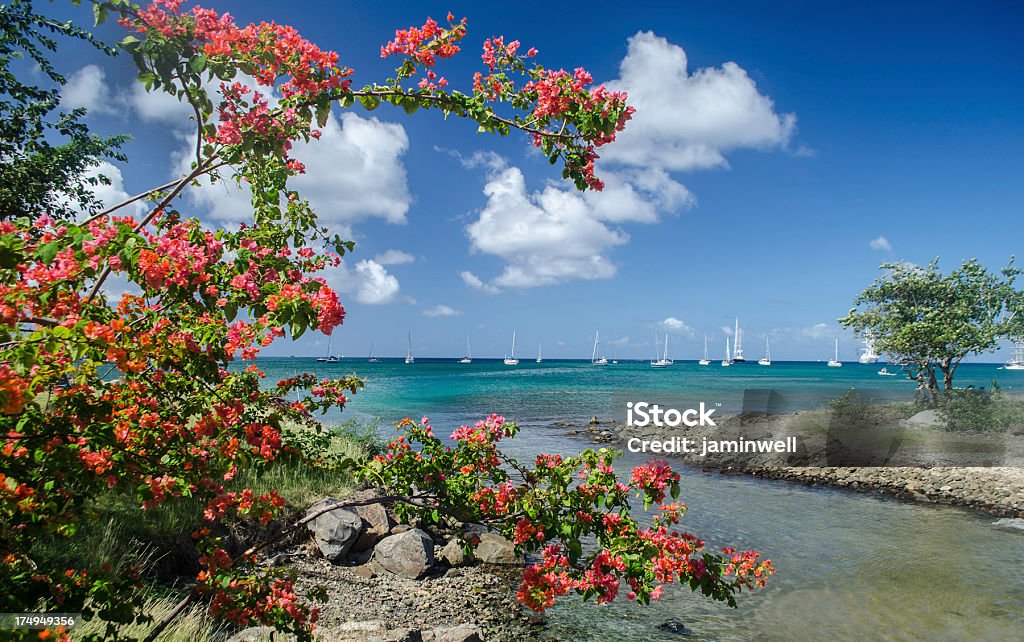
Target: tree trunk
933,386
926,385
947,375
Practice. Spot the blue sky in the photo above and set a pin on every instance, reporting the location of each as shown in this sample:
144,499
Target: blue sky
752,182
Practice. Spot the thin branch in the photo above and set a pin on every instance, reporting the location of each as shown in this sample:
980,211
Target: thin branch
180,185
139,197
445,100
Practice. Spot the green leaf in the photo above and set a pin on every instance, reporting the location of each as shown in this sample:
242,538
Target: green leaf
99,14
198,63
575,550
369,102
410,105
323,110
47,251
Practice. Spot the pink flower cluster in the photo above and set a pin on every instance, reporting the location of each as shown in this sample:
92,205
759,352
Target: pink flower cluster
544,582
426,43
654,477
485,431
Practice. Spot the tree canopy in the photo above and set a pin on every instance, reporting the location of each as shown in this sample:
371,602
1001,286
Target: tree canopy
930,321
46,154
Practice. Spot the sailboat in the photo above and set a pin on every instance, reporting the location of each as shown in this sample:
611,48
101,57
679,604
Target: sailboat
767,359
330,358
469,354
867,353
727,361
836,363
1016,362
540,356
408,355
662,361
595,359
705,361
512,361
737,348
371,358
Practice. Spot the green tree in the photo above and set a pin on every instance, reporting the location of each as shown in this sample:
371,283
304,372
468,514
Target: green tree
930,322
45,153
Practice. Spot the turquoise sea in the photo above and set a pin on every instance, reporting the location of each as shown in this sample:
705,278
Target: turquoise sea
851,566
533,393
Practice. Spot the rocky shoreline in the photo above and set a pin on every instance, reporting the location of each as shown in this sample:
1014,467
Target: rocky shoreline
996,490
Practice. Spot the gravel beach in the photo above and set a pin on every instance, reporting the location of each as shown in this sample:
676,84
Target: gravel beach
997,490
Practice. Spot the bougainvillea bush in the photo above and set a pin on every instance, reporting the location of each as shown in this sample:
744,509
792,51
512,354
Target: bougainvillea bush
133,392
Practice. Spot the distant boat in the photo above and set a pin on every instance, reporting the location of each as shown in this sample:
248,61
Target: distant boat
408,355
836,363
469,354
540,355
737,352
885,372
512,361
596,359
867,353
727,361
767,359
705,361
1016,361
371,358
660,361
330,358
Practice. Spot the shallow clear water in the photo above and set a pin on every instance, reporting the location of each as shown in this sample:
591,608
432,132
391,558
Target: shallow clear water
850,566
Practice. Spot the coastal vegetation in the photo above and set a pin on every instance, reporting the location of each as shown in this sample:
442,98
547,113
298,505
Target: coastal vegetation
46,154
929,322
123,426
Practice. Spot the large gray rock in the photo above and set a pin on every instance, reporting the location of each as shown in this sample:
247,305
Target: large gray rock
334,532
409,554
925,419
1010,524
376,526
355,631
254,634
459,633
495,549
452,553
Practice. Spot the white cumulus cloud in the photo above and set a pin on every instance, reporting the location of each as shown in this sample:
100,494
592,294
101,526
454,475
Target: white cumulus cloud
87,88
160,107
394,257
818,331
880,243
545,237
441,311
476,283
673,324
688,120
367,282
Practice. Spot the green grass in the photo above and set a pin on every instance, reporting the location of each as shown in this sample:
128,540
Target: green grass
117,531
980,410
193,625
